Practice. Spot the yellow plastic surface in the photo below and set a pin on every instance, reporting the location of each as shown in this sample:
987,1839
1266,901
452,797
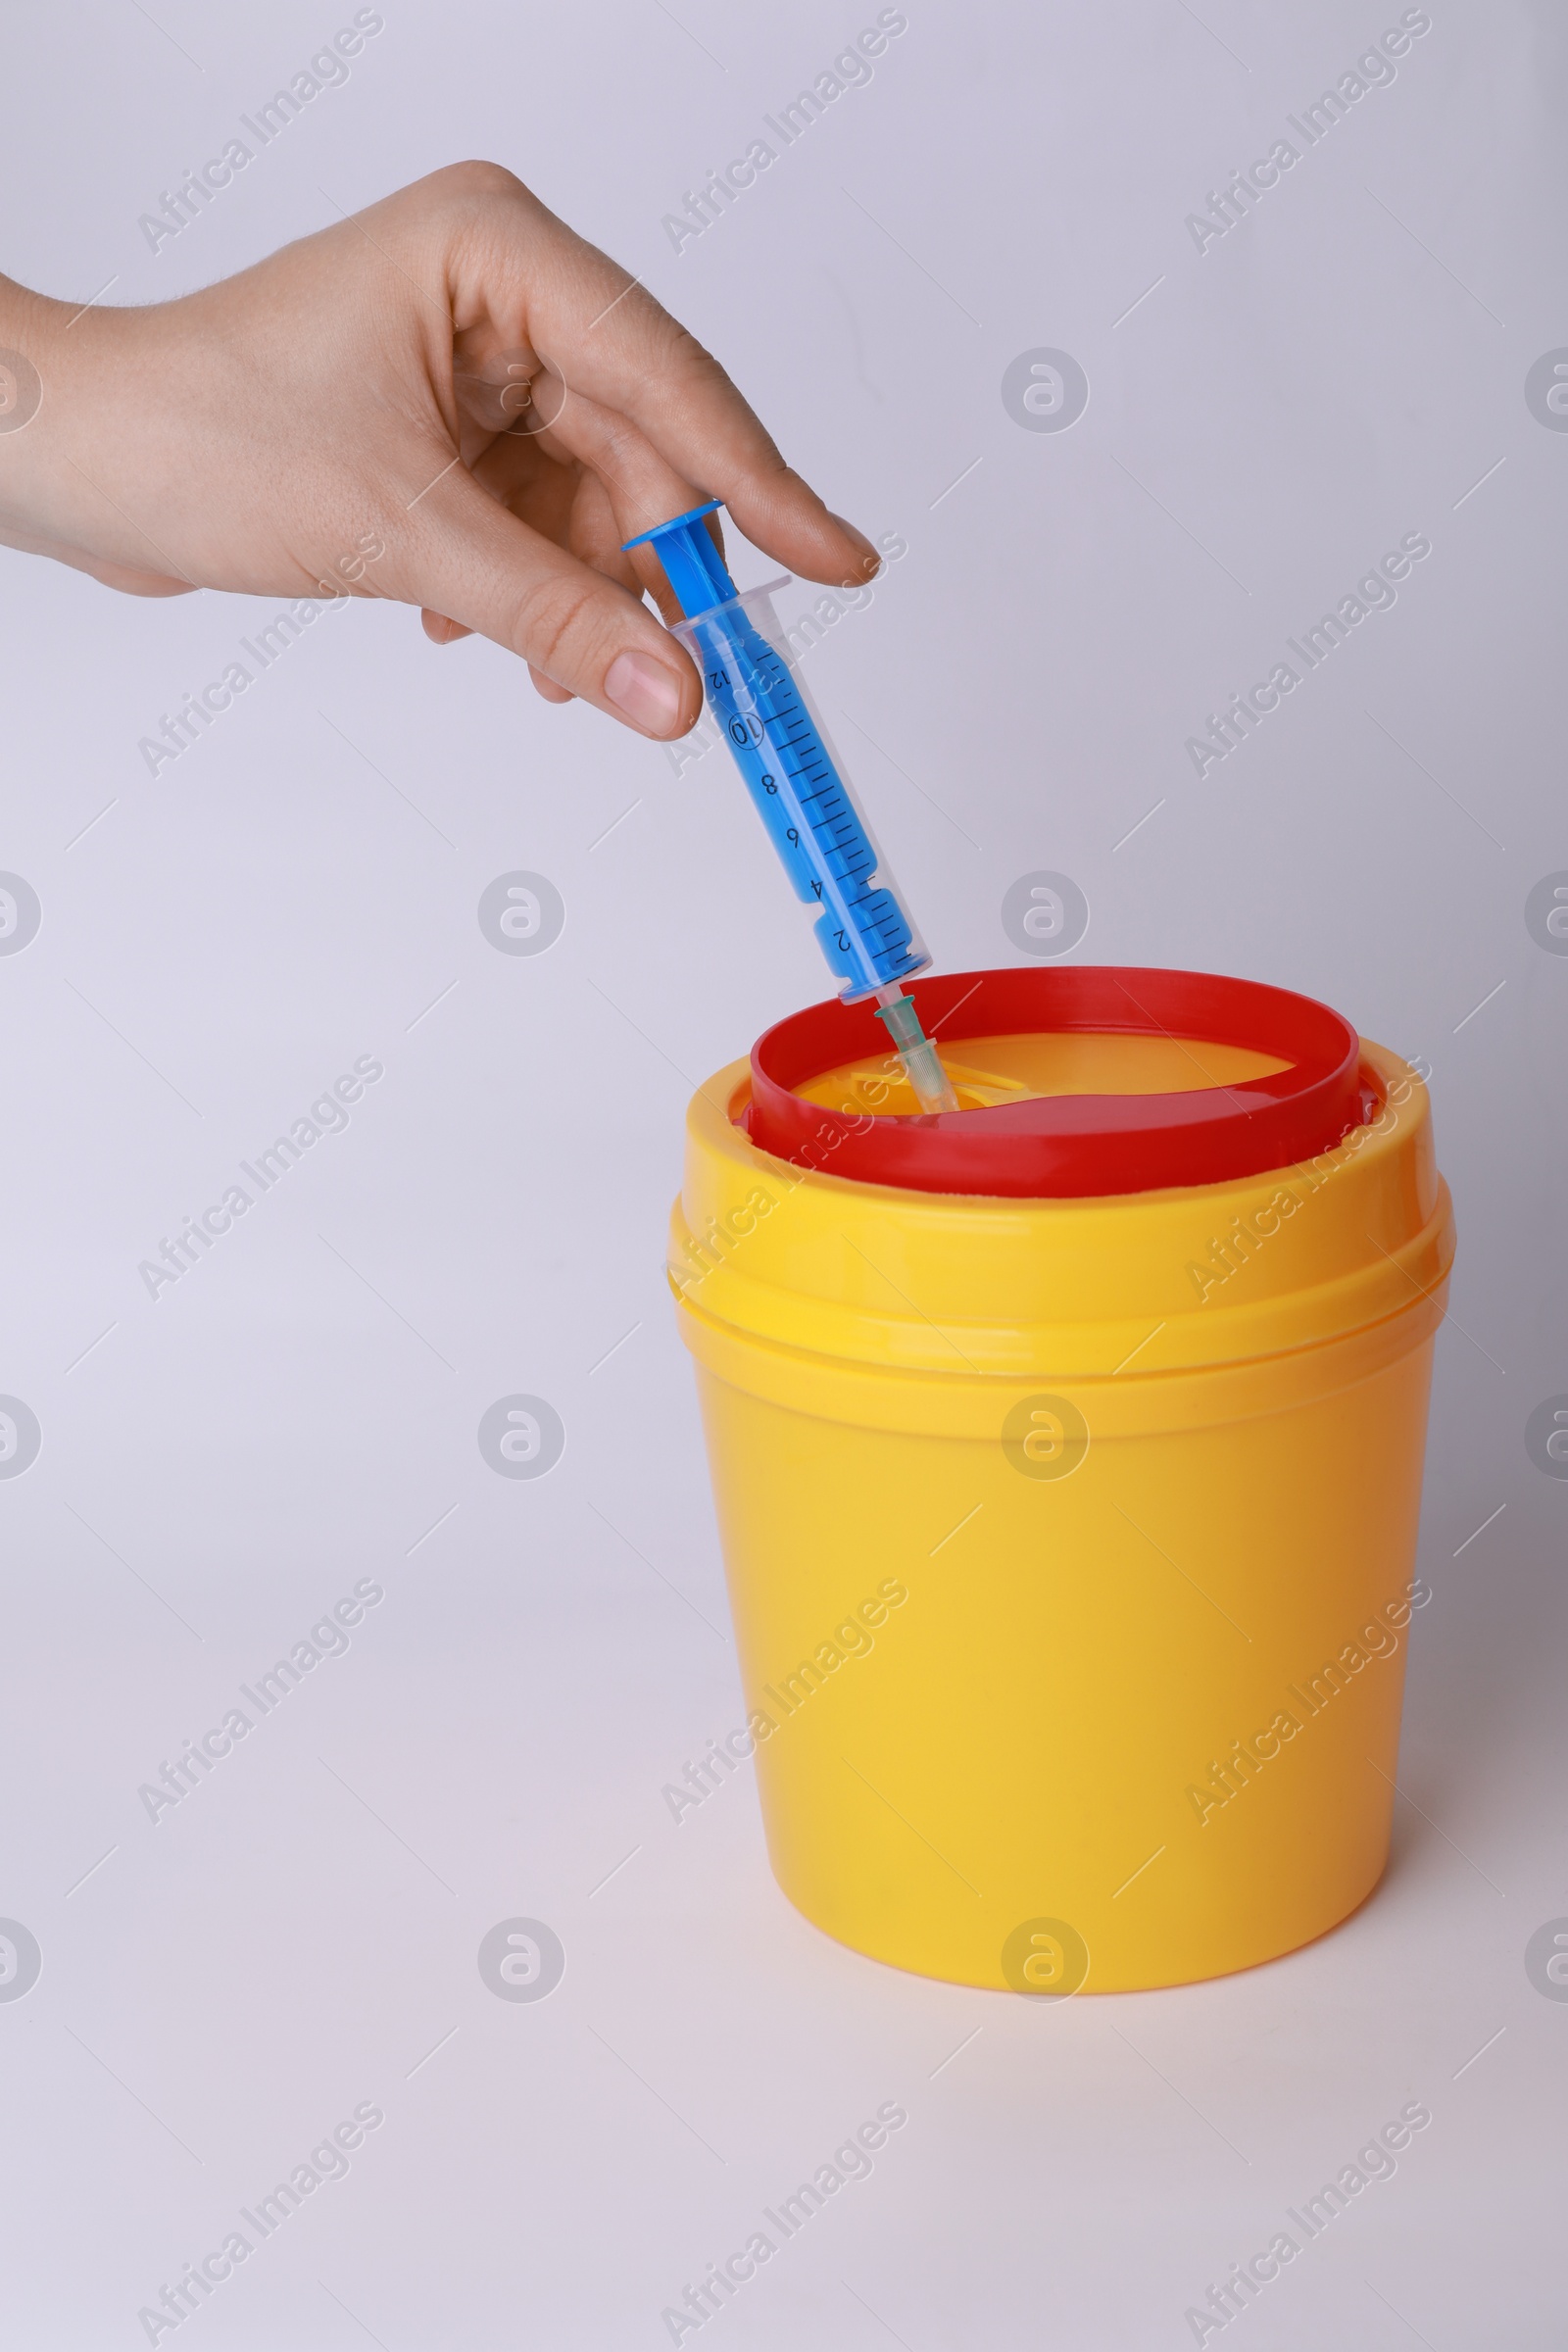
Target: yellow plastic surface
1042,1728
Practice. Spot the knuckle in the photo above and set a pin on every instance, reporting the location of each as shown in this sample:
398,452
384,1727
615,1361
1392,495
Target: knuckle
676,351
477,179
616,443
555,621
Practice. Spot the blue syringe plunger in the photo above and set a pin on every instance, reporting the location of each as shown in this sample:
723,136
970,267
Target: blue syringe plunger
693,565
787,761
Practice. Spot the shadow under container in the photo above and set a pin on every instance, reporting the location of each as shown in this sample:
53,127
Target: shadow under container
1068,1453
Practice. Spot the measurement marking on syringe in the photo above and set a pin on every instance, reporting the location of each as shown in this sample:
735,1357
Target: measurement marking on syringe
809,811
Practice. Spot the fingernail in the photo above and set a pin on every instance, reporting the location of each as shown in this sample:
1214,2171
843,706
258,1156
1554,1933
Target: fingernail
870,561
645,690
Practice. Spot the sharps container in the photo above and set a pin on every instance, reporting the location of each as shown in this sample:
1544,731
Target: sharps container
1067,1450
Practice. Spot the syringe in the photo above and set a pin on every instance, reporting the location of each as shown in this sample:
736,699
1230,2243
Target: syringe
797,780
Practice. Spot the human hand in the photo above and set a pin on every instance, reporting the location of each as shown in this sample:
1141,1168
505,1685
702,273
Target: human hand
453,378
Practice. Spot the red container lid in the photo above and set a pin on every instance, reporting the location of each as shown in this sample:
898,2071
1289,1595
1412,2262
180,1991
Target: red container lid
1071,1145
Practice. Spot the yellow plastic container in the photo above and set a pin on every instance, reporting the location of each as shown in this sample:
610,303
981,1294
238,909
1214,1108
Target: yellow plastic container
1070,1540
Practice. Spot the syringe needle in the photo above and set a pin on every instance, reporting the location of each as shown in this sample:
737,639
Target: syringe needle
922,1067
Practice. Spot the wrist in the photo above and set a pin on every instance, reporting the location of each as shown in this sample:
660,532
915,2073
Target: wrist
66,378
32,362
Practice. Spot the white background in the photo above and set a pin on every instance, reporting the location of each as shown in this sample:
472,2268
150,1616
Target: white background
301,1408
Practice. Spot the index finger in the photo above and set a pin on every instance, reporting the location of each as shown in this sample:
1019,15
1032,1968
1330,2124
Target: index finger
612,339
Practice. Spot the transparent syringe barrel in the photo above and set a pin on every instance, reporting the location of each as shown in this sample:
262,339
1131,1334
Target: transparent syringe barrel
752,680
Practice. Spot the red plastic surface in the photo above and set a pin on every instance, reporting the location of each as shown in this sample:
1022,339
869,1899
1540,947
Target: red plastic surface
1069,1145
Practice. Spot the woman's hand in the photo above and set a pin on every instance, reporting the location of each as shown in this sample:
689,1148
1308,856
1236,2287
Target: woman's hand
449,399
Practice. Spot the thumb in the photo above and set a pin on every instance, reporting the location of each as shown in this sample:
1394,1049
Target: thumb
474,563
